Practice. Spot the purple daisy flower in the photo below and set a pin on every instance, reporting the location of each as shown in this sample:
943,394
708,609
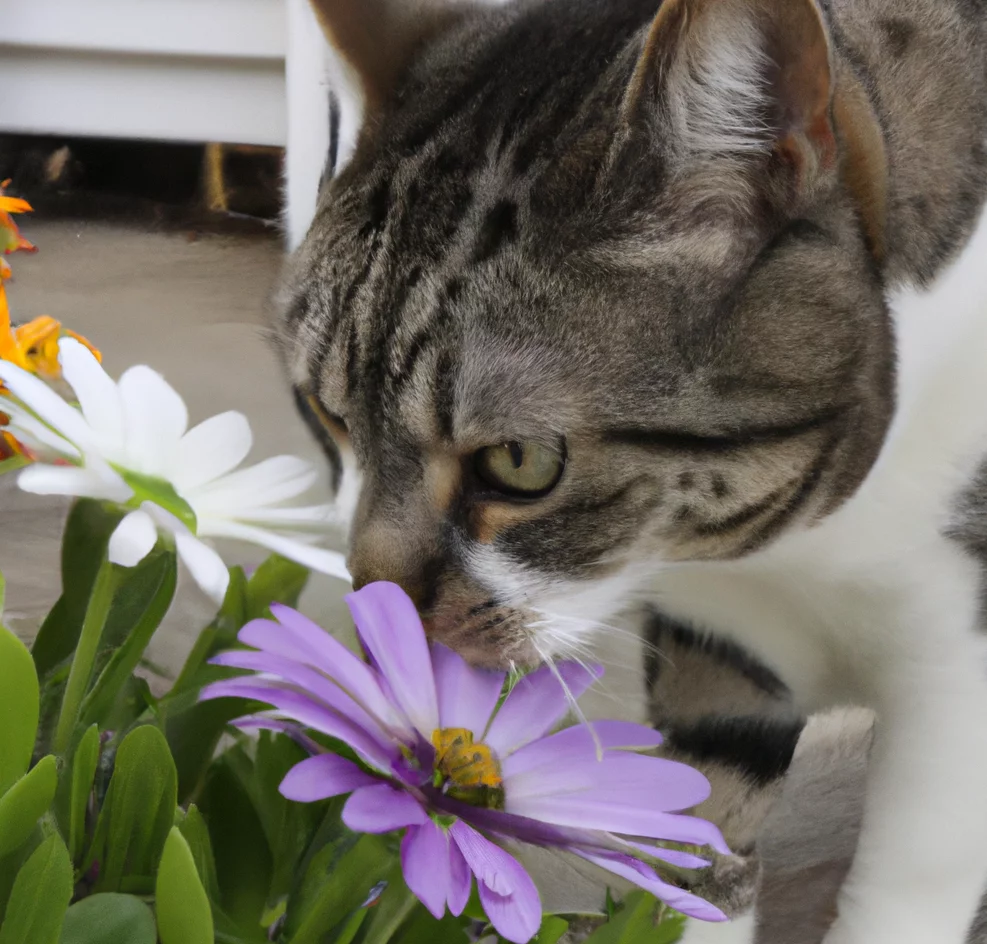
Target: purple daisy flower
461,776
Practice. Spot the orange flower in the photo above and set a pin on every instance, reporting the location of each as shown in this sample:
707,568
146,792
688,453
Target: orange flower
32,346
10,236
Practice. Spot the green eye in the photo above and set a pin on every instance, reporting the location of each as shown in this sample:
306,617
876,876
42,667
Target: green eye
523,469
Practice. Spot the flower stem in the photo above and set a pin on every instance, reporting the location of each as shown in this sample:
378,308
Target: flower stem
85,654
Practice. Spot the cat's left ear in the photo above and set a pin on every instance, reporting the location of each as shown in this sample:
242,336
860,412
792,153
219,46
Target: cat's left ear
378,38
740,79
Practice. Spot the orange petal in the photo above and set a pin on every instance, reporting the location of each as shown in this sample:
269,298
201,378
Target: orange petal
14,205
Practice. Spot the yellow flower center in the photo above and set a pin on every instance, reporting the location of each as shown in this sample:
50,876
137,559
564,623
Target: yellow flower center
465,769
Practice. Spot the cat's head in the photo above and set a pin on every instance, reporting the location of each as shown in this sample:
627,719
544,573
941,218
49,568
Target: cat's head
599,290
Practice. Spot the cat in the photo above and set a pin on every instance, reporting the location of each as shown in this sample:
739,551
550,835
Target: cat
680,301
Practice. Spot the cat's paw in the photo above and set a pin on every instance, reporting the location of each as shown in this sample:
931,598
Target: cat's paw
740,931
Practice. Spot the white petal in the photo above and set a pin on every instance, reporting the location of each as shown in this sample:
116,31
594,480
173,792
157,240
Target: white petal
30,429
205,566
164,519
71,480
133,539
213,448
95,390
38,397
155,419
315,517
274,480
315,558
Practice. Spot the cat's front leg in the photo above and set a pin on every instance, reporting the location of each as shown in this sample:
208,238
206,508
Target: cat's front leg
921,864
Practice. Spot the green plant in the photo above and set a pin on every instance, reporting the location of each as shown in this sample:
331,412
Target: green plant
128,818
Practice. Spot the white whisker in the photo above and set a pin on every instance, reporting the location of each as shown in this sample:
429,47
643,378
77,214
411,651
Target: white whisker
571,699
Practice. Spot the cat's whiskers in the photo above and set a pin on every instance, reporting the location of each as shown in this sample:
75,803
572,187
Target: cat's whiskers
570,698
575,640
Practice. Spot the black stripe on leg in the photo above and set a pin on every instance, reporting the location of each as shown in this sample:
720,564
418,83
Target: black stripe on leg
661,630
760,748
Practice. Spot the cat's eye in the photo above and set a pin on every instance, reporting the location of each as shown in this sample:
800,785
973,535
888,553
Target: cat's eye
520,469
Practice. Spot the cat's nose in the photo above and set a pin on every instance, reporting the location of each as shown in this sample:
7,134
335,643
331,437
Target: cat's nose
416,589
384,554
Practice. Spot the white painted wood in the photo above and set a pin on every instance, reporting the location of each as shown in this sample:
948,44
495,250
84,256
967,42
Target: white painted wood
216,28
308,118
66,92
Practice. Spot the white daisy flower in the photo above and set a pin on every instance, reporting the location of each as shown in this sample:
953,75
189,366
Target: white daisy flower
129,442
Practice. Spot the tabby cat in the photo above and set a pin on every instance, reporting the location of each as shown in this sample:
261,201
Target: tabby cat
686,302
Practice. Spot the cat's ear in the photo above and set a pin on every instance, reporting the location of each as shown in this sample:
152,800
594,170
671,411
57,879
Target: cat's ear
378,38
739,78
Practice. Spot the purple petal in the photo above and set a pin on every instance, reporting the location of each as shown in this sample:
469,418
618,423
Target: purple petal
531,831
307,679
682,860
392,632
631,821
516,917
535,705
323,776
287,728
382,808
579,742
618,779
644,877
467,696
507,893
426,866
460,880
491,865
302,708
297,637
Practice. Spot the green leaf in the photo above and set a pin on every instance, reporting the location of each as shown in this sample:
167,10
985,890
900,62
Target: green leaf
196,833
138,811
40,896
25,803
243,860
142,602
84,763
87,534
277,580
422,928
193,728
109,919
288,826
337,883
184,915
551,930
219,634
11,864
391,909
635,923
19,707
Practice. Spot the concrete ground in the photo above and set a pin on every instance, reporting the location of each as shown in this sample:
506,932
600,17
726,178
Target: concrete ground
194,309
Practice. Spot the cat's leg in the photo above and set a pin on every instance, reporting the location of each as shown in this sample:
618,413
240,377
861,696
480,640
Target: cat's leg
741,931
731,718
921,863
